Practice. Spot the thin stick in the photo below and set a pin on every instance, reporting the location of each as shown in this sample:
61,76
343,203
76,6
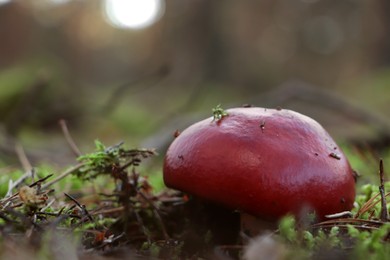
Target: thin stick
144,229
108,211
63,175
384,213
369,204
350,221
157,214
69,138
16,183
340,214
81,207
22,157
38,182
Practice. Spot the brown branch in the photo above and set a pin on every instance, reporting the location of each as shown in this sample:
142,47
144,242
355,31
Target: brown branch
40,180
143,227
69,138
369,204
83,209
23,158
13,185
108,211
354,221
384,213
63,175
157,214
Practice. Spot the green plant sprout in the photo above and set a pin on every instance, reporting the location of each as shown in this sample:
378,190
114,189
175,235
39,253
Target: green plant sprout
219,113
113,160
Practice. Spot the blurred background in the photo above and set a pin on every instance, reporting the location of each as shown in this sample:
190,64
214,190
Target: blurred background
137,70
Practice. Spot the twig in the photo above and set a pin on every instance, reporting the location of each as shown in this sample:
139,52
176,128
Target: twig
63,175
110,240
6,218
369,205
13,185
361,227
144,229
10,188
82,207
48,205
9,197
384,213
354,221
4,203
28,169
157,214
23,157
340,214
108,211
69,138
40,180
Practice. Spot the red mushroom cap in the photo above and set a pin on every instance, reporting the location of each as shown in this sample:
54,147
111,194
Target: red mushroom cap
265,162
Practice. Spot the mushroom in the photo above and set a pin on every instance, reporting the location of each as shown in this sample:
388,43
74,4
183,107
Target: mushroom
265,162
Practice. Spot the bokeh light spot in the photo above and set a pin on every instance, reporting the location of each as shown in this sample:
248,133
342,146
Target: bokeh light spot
3,2
133,14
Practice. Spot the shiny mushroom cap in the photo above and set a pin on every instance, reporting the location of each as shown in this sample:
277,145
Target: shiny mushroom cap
266,162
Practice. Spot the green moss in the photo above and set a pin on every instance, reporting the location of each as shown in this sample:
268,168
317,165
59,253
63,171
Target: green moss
219,113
